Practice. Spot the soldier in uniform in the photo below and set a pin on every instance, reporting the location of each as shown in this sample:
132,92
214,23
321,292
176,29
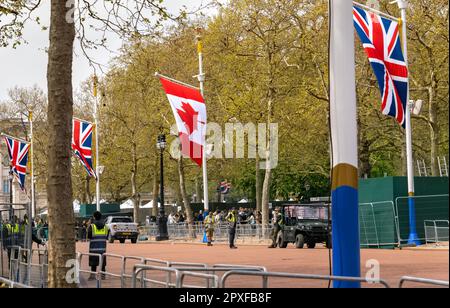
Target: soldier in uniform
277,221
209,223
97,235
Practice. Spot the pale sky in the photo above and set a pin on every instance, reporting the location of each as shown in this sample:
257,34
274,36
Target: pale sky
26,65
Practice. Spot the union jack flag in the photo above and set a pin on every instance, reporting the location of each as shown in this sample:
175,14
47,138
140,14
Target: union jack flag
82,144
381,40
18,156
224,187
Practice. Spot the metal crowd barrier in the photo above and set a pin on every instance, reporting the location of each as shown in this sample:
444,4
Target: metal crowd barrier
434,234
422,281
221,231
182,274
295,276
99,267
12,285
140,260
140,268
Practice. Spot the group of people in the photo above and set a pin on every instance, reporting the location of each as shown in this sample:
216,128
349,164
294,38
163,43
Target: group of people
232,218
211,220
244,216
13,234
176,218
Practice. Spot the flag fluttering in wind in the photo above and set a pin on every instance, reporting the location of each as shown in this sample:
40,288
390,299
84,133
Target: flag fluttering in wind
381,40
82,144
224,187
189,110
18,155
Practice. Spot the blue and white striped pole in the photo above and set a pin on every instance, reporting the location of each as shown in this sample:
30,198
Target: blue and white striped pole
343,113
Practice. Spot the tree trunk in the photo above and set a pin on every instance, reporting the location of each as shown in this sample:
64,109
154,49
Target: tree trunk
365,168
434,131
267,177
198,194
258,188
134,193
186,201
179,197
61,220
87,189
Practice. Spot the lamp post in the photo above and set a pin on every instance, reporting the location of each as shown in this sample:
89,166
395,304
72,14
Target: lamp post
11,178
162,219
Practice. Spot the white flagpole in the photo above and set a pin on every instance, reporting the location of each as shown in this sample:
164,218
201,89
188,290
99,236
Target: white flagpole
344,130
413,237
97,159
33,201
201,79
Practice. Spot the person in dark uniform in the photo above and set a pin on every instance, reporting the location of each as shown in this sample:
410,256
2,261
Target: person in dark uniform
232,222
278,221
97,235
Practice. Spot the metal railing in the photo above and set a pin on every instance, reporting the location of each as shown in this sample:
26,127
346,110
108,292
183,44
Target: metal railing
422,281
80,256
436,234
183,231
265,284
12,285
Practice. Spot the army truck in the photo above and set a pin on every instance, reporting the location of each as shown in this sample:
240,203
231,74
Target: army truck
305,224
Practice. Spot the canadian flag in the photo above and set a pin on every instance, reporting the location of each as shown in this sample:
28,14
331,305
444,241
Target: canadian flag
189,109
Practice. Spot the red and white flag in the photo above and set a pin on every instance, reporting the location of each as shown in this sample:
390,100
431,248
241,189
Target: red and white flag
189,109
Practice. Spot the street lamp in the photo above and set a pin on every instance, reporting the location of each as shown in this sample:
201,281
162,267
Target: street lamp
11,178
162,219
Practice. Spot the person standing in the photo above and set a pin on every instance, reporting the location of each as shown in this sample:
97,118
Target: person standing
209,227
97,235
277,221
232,222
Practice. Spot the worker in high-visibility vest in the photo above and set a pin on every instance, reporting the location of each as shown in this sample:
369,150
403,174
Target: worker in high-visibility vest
11,234
97,235
232,223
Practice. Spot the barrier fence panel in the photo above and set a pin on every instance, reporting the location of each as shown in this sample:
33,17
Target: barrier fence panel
428,208
378,226
129,262
139,269
15,231
6,283
85,272
183,231
111,279
436,231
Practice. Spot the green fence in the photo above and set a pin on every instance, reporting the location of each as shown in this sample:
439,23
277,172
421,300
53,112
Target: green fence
386,224
427,208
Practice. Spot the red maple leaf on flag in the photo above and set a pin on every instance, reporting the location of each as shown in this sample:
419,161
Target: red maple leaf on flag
189,116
